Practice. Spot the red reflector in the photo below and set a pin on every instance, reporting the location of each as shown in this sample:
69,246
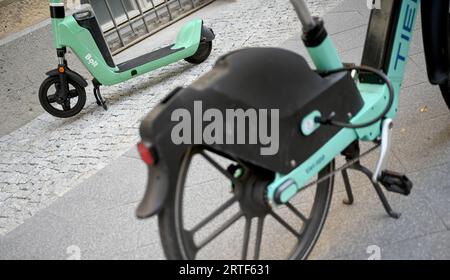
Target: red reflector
146,154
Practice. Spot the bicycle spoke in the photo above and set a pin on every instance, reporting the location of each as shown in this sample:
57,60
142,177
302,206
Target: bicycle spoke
285,224
259,232
218,167
217,232
296,212
248,225
214,214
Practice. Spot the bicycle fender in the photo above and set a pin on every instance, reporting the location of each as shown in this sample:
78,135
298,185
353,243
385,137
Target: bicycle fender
71,74
155,194
163,175
435,29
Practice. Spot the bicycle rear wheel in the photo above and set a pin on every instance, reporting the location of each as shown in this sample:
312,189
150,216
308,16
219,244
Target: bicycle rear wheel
212,214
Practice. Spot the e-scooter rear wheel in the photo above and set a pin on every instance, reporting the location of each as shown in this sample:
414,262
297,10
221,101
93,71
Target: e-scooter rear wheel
213,214
202,53
51,100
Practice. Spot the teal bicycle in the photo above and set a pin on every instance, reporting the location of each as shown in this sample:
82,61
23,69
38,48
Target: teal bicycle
323,113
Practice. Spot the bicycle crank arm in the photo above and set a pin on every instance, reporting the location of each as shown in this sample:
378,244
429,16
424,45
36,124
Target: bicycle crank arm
386,135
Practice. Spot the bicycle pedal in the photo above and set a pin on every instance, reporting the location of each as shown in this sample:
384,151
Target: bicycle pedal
396,182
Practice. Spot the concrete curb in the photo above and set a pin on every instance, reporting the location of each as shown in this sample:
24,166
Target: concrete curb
25,32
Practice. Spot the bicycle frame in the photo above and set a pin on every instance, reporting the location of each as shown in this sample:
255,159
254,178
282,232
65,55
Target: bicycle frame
68,33
375,96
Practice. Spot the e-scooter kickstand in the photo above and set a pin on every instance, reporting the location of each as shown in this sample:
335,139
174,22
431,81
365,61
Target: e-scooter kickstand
98,96
348,188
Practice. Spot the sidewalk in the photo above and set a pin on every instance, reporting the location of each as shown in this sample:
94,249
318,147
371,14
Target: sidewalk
97,216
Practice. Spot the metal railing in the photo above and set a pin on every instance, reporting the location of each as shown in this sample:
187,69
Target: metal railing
127,22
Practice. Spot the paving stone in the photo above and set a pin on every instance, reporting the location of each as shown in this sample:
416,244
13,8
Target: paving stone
413,74
351,229
430,247
152,252
419,103
434,183
43,237
423,145
339,22
107,234
133,153
105,190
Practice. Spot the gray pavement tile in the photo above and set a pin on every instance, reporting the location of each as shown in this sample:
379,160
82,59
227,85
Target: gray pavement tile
419,59
295,44
352,56
350,229
434,246
413,74
418,22
416,45
350,39
105,190
133,153
147,232
351,5
419,103
423,145
338,22
107,234
152,252
434,183
430,247
127,256
43,237
98,214
110,234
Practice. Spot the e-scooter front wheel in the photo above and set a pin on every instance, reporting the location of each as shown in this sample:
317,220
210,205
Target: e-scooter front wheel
202,53
52,101
219,210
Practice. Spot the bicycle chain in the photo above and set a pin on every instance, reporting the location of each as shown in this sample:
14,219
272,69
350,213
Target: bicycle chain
345,166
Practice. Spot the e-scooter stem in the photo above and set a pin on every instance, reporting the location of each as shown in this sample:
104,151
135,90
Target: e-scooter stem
304,15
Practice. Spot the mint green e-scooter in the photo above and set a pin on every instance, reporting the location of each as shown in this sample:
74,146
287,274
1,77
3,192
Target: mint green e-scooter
63,94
